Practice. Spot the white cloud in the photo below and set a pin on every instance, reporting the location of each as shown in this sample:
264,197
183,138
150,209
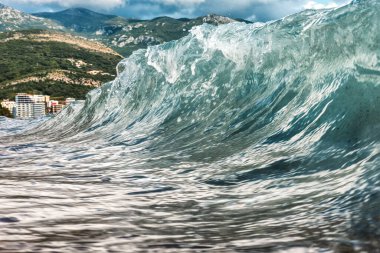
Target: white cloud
97,4
316,5
254,10
181,2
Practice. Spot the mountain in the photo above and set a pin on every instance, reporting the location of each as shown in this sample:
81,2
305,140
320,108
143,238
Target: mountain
53,63
79,19
127,35
121,34
12,20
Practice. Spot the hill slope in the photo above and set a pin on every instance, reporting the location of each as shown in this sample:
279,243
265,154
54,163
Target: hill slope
12,20
53,63
78,19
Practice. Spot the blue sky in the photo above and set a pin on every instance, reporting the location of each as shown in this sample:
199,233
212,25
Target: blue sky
255,10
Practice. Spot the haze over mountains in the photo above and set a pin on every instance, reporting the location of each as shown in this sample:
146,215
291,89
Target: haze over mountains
37,53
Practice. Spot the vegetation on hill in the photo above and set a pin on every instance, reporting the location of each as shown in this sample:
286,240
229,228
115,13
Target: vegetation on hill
34,65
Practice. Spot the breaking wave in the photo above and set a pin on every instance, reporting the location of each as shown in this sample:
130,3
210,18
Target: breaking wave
258,137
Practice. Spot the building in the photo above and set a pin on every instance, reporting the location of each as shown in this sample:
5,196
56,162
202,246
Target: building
39,110
10,105
52,103
41,98
69,101
24,106
56,108
30,106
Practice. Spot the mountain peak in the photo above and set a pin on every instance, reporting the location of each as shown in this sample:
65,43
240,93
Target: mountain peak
74,16
80,11
216,19
12,20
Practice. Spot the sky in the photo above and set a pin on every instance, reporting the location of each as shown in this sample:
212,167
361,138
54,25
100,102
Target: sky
253,10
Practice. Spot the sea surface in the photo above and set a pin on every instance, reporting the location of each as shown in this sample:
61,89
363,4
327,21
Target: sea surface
237,138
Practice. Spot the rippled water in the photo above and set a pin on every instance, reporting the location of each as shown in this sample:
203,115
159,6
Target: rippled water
238,138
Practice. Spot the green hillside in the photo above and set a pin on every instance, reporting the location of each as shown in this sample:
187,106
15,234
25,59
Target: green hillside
52,63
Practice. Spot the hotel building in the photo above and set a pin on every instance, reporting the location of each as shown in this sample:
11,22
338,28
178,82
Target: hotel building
30,106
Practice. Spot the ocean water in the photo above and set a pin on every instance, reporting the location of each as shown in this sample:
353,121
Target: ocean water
237,138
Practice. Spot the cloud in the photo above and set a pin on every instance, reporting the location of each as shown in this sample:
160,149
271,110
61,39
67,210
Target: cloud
181,2
316,5
96,4
255,10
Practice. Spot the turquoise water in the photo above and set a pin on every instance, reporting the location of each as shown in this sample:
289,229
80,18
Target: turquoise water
237,138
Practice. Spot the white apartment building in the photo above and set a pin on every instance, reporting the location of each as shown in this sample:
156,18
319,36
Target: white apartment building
30,106
39,110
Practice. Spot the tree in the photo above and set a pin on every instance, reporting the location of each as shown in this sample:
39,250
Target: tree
5,112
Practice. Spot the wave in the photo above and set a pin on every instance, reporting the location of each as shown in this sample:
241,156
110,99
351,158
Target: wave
292,104
305,80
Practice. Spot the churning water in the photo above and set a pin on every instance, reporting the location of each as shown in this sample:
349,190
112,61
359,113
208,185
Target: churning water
237,138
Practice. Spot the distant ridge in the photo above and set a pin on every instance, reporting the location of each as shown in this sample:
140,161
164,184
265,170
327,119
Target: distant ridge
77,17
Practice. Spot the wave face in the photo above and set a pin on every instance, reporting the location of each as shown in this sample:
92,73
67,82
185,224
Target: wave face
237,138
